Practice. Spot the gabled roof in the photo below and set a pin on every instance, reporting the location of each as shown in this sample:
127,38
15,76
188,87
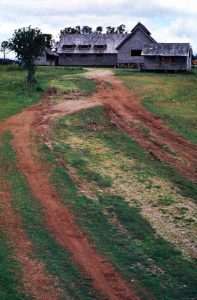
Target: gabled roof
50,52
110,40
166,49
141,27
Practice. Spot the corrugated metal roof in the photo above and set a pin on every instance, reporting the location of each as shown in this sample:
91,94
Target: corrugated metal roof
166,49
110,40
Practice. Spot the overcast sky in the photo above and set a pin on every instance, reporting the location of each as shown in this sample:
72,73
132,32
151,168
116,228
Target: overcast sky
167,20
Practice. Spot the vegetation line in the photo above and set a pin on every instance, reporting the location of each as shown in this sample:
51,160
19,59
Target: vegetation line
137,252
47,250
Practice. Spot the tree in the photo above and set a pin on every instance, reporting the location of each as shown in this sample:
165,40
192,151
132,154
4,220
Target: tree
71,30
121,29
49,42
86,30
28,44
110,29
99,30
5,48
78,29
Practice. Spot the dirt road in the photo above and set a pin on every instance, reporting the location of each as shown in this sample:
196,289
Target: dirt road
127,112
60,221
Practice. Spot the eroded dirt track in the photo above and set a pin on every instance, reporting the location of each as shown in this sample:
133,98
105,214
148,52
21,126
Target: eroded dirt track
127,113
60,220
35,280
125,109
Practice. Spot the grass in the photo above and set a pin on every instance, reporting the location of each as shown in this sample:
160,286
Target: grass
14,94
171,96
124,179
14,97
56,260
119,231
10,272
78,129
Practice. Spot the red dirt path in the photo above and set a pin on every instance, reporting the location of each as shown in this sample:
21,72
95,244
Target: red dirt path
60,220
35,280
126,111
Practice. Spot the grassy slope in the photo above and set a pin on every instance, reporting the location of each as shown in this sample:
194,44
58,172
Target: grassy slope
10,271
13,98
119,231
172,96
47,250
14,95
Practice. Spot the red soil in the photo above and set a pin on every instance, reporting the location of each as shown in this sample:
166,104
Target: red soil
126,111
60,220
35,280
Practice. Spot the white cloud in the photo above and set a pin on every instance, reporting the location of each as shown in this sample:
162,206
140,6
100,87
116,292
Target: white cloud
168,20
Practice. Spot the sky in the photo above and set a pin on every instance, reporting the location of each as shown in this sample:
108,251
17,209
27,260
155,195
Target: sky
167,20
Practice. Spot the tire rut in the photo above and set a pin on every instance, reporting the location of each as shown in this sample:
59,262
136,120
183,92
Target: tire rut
60,221
127,113
34,276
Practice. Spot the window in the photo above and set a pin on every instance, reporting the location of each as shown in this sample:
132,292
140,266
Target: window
136,52
83,55
67,54
100,47
68,47
99,55
84,47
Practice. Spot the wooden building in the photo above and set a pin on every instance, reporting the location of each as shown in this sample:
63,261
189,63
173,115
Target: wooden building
167,56
49,58
137,49
89,49
130,49
104,49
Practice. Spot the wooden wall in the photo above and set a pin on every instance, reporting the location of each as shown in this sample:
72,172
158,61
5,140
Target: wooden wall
135,42
88,60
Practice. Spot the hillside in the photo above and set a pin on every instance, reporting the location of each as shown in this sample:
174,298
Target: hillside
98,185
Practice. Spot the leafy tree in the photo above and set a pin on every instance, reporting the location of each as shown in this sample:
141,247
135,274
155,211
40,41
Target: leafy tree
78,29
86,30
121,29
49,42
99,30
69,30
110,29
5,48
28,44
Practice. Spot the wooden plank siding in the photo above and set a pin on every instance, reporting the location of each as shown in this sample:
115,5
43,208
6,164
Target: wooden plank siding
136,49
135,42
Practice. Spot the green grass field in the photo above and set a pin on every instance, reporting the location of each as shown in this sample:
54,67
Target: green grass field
140,214
171,96
14,95
125,181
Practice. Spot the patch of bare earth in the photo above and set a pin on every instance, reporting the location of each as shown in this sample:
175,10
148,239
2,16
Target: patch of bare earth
34,276
126,111
60,221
